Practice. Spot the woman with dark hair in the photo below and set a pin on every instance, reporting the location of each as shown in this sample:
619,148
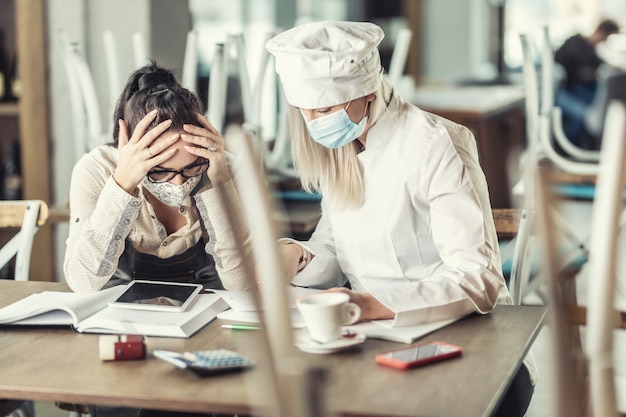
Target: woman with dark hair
148,205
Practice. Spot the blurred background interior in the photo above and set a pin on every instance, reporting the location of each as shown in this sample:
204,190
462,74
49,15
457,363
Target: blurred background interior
452,44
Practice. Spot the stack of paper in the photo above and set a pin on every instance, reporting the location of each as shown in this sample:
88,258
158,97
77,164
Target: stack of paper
243,310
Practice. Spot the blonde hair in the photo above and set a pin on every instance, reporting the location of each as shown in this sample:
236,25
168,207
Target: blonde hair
337,174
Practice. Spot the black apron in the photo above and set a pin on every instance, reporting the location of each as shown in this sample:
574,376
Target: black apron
194,265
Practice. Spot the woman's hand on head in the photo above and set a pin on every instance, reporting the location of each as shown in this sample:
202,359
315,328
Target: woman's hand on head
141,152
371,308
206,142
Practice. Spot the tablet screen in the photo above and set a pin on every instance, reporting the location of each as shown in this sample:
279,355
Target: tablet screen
156,295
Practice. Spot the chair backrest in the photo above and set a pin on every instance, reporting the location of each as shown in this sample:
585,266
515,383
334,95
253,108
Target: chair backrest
190,62
584,379
399,55
265,109
113,67
548,104
516,226
26,216
216,109
300,393
88,131
568,384
539,125
140,50
607,212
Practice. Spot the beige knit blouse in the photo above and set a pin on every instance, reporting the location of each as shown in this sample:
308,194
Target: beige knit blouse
103,217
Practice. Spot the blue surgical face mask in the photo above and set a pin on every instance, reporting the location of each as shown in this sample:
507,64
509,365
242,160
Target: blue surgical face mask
336,129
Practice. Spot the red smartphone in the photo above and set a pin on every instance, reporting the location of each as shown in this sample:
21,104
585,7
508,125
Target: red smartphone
420,354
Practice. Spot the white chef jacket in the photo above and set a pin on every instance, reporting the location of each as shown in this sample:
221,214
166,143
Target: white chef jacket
423,243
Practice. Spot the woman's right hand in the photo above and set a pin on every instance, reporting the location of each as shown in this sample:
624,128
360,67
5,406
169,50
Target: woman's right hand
142,151
290,255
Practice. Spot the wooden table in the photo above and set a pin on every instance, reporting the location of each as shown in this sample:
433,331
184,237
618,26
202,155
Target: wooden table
495,114
53,364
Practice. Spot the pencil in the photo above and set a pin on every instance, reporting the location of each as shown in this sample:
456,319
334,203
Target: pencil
240,327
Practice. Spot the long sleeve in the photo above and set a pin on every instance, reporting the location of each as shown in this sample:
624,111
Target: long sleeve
323,271
468,277
101,217
222,242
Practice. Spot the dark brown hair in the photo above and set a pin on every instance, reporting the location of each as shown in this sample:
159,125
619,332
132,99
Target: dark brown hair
608,27
153,87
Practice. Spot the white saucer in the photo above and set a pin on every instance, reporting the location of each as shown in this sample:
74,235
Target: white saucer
304,343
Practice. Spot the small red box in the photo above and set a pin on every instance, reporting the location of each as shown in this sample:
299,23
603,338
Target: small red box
122,348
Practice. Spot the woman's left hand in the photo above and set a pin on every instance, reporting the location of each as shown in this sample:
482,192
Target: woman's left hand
209,144
371,308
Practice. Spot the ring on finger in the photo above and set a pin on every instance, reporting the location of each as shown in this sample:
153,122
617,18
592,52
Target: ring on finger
213,148
150,152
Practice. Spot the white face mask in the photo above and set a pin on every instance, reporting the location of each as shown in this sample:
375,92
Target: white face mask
336,129
171,194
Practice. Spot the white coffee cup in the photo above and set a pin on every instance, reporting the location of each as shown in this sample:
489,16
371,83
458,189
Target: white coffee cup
324,314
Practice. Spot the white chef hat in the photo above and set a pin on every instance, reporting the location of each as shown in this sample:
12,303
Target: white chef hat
323,64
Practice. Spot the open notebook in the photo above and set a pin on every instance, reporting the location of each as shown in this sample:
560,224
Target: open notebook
91,313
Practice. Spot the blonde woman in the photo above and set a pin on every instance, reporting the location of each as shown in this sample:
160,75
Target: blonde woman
406,218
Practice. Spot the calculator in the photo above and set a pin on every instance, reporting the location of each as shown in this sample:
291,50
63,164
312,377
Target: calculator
207,362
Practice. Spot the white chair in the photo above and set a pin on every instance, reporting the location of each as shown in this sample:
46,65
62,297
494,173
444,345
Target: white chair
113,68
140,58
27,216
295,390
608,208
515,229
140,50
266,120
553,112
584,379
399,55
88,131
540,151
568,382
539,121
218,80
190,62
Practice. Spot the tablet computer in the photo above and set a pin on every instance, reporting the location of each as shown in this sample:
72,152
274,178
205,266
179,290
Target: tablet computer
158,295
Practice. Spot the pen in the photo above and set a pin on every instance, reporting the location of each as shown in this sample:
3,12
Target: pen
240,327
